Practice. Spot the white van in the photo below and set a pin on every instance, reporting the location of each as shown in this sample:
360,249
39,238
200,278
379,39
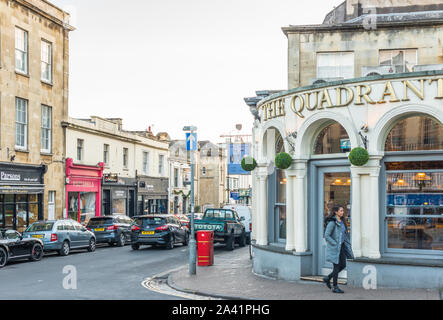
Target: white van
243,211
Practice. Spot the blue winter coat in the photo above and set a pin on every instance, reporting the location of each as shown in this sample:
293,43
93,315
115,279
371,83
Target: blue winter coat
333,236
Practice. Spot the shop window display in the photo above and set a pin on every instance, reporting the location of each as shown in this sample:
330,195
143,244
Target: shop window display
332,139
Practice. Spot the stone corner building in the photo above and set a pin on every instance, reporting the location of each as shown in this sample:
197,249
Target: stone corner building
357,80
34,39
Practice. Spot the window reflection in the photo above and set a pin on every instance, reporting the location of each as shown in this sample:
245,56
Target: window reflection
332,139
415,209
415,133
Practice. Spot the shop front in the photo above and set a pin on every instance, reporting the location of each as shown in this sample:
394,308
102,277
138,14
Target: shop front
152,195
118,195
393,203
83,191
21,195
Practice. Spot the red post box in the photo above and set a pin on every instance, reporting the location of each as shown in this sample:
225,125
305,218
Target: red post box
205,248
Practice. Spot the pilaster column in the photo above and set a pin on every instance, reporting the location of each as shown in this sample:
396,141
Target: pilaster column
374,225
290,210
301,213
356,213
262,204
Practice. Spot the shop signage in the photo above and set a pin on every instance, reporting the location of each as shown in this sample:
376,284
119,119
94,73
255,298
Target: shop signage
359,94
20,176
110,177
119,194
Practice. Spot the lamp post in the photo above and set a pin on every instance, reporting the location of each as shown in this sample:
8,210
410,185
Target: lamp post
191,145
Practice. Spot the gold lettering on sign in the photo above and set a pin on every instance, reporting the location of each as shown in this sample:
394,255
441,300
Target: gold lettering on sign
439,87
364,95
308,101
298,109
388,91
350,97
407,84
325,98
280,109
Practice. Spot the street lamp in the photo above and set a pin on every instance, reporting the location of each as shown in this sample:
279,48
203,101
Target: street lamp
191,143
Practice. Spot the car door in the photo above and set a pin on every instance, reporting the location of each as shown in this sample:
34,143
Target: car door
15,243
127,227
82,234
72,234
180,229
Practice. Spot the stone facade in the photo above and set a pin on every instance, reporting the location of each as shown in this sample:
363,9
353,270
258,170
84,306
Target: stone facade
42,21
364,40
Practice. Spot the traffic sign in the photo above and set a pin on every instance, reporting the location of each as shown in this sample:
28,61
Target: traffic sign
191,141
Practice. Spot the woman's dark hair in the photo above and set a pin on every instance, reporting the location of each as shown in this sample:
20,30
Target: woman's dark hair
334,210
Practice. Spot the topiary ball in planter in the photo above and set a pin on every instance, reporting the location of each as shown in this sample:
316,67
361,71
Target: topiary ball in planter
359,156
248,163
283,160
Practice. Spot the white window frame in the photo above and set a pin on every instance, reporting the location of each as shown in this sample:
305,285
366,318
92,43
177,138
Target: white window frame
145,162
336,65
21,49
391,51
125,158
46,127
80,149
51,205
106,154
21,123
161,170
46,61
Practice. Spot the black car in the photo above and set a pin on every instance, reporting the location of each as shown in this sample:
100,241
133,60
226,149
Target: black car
13,246
115,229
160,229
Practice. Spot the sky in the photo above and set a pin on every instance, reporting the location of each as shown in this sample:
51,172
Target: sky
172,63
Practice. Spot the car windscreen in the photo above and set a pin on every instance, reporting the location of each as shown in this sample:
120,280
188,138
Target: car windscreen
219,214
100,221
147,222
40,226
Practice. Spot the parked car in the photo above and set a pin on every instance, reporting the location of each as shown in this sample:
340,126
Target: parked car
185,221
196,216
61,235
245,212
164,229
227,227
114,229
13,246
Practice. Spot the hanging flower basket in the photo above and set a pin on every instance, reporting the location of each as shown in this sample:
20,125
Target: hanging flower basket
359,156
283,160
248,163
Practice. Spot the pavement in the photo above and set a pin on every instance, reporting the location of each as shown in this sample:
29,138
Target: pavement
231,277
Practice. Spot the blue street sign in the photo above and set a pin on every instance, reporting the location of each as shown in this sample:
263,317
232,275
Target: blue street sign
191,141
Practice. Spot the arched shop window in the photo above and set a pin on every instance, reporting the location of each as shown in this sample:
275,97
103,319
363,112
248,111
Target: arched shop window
414,189
332,139
415,133
280,195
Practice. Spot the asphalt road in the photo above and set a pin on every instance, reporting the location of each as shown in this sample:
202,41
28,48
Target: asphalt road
108,273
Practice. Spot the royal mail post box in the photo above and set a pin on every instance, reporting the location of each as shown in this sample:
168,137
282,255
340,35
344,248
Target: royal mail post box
205,248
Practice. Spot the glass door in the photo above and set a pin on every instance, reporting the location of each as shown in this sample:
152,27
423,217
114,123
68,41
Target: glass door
334,190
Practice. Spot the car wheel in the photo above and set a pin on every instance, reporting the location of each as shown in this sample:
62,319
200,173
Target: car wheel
242,241
230,243
135,246
170,244
121,240
111,244
36,252
91,247
64,251
3,257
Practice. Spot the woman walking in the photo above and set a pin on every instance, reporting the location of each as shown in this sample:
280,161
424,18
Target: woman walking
338,246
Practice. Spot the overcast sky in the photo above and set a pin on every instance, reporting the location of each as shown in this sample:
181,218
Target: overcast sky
171,63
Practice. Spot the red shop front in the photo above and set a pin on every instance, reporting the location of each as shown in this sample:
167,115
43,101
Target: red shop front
83,191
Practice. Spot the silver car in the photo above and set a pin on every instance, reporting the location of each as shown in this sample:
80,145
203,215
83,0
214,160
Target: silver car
61,235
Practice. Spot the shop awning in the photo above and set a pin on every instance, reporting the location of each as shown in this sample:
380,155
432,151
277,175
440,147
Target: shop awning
22,189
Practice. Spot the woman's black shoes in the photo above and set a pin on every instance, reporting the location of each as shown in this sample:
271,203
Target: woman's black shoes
336,289
327,280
